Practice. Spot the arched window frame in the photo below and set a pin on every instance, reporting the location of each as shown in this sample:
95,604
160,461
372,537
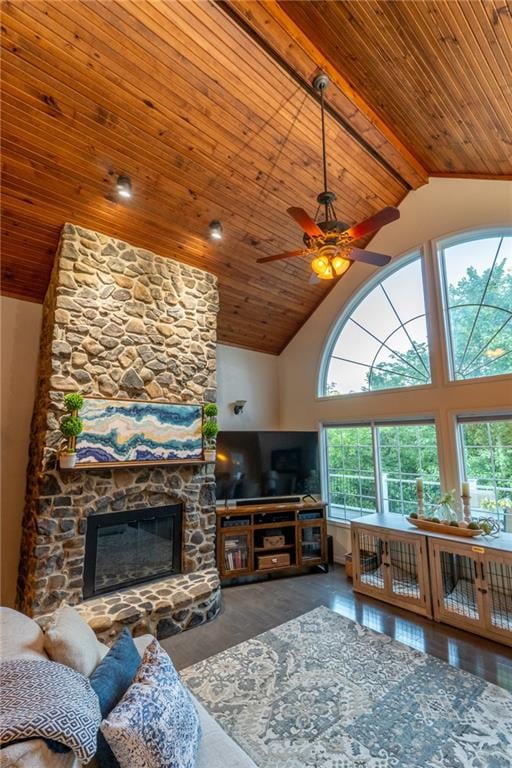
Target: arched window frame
357,298
438,245
446,417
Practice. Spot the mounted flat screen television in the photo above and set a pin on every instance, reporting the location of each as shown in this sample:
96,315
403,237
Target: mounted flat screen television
256,465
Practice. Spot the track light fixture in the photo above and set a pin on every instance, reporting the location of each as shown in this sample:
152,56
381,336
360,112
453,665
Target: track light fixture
124,186
216,231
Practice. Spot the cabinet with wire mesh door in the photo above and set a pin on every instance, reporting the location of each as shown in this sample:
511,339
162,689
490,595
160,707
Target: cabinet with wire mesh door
391,566
472,585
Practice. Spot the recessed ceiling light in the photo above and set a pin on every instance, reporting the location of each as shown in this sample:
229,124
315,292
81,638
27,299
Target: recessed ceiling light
124,186
216,231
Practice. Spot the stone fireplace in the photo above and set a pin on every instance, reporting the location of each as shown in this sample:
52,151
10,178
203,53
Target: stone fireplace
121,322
131,547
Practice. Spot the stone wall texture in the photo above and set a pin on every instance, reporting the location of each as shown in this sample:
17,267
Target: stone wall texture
118,322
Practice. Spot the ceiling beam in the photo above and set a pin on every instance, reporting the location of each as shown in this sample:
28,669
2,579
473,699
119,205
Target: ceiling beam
268,23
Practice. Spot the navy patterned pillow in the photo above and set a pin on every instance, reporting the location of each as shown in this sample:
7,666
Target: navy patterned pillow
155,723
110,680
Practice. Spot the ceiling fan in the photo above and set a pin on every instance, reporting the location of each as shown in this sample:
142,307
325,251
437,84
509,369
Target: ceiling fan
329,242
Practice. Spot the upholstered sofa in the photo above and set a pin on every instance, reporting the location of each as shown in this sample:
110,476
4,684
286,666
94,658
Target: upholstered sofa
21,637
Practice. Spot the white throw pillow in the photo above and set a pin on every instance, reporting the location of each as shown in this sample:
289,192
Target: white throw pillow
70,640
20,636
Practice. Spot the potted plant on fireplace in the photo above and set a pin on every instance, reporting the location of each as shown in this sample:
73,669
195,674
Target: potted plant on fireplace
71,425
210,431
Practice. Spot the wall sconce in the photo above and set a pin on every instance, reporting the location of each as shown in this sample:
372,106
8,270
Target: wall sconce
124,186
238,406
216,231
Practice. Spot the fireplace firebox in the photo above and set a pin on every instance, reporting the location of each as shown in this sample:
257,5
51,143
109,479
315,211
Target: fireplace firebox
131,547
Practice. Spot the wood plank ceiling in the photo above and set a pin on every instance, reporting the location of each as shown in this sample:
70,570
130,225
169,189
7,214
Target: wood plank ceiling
439,72
198,110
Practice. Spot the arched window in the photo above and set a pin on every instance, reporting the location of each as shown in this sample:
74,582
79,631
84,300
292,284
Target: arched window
476,275
381,341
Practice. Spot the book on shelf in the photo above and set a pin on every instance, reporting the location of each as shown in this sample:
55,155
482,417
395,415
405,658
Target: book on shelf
235,556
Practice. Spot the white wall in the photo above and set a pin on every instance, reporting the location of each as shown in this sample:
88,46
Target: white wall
251,376
442,207
20,329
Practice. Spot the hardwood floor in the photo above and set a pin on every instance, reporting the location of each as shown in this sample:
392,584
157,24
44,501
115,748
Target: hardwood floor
251,609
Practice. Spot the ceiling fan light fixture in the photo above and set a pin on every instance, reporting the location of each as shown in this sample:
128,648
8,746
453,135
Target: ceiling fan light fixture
340,265
320,264
327,274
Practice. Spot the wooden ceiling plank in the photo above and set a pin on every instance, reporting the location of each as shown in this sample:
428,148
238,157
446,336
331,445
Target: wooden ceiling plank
256,14
293,32
236,61
180,96
290,298
397,18
476,151
444,67
38,181
302,148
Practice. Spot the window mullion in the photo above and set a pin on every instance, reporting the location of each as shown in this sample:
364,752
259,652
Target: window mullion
377,471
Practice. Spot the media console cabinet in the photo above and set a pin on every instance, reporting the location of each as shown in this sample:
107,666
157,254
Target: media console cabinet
259,539
458,581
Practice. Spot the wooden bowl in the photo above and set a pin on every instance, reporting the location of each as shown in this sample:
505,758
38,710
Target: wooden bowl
450,530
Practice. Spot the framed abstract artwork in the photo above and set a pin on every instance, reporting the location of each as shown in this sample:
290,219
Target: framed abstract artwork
128,432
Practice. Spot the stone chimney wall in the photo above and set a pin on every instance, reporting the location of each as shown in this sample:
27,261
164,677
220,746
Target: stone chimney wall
118,322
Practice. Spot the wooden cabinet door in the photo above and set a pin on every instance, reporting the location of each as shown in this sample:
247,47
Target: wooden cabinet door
312,542
234,552
406,556
369,563
457,584
496,588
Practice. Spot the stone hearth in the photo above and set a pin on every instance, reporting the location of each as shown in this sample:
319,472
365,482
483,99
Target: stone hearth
162,608
122,322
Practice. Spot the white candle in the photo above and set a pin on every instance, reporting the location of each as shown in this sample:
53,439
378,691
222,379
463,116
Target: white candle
465,488
419,485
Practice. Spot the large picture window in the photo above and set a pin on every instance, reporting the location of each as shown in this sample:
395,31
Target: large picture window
487,465
382,343
350,472
374,468
476,272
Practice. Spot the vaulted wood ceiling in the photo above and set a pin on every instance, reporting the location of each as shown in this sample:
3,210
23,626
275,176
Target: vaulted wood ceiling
439,72
206,106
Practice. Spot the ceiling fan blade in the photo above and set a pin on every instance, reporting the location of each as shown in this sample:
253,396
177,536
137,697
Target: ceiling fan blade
386,216
305,221
279,256
369,257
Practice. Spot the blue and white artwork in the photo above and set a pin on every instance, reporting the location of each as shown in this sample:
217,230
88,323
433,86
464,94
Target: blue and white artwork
126,430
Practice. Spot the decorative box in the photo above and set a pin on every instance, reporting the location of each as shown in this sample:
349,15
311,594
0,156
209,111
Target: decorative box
280,560
270,542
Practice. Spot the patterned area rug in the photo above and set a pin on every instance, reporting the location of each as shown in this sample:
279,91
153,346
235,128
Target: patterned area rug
323,692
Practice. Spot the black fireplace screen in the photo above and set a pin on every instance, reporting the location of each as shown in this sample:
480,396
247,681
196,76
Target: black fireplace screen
130,547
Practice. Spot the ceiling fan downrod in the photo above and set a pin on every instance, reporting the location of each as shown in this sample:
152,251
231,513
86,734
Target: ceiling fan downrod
325,198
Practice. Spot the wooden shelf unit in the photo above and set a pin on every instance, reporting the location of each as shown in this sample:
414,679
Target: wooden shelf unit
463,582
240,532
